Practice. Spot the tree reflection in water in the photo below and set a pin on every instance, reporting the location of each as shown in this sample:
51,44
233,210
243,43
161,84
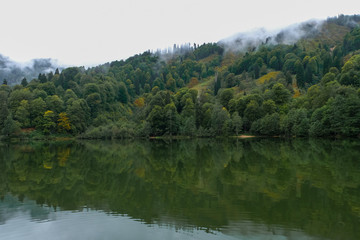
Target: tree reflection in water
310,185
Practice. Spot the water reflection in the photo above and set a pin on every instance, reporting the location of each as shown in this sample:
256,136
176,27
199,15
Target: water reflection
253,188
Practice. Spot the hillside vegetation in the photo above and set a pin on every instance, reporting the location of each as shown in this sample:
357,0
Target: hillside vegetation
308,88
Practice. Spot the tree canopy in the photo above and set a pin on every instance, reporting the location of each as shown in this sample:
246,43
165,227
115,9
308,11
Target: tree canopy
309,88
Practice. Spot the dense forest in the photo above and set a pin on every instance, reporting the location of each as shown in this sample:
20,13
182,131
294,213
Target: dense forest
308,88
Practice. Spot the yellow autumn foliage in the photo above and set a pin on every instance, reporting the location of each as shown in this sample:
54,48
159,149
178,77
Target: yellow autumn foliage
64,122
48,114
296,93
140,102
267,77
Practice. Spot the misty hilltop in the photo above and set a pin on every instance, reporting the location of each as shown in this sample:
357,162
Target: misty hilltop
14,72
329,31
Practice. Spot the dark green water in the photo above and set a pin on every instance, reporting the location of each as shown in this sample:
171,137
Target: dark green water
188,189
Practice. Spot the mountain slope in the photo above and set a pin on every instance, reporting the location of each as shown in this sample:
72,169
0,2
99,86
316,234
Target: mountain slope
308,87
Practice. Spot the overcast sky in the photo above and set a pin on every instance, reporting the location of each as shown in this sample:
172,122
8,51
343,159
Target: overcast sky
90,32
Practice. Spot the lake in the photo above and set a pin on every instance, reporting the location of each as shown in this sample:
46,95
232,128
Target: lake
181,189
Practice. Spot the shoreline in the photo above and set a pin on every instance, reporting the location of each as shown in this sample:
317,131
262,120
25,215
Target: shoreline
74,138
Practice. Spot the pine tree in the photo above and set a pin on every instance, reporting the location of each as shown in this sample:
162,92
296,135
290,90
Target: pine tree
24,82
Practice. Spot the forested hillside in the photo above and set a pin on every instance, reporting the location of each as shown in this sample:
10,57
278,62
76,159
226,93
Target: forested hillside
308,88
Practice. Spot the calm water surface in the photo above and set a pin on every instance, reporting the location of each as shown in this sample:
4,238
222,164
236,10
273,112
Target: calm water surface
188,189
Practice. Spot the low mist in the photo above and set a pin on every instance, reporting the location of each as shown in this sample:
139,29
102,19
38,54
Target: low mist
14,72
289,35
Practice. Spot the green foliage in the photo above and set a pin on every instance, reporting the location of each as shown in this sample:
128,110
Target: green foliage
225,96
172,119
123,93
352,40
280,94
300,74
319,123
237,123
22,114
219,120
350,73
17,96
171,84
79,114
69,96
268,125
290,63
24,82
3,108
269,107
66,76
295,123
188,128
39,94
144,179
329,77
37,109
251,113
344,115
94,102
157,120
117,130
274,63
48,87
189,109
200,91
48,124
55,104
10,126
206,50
